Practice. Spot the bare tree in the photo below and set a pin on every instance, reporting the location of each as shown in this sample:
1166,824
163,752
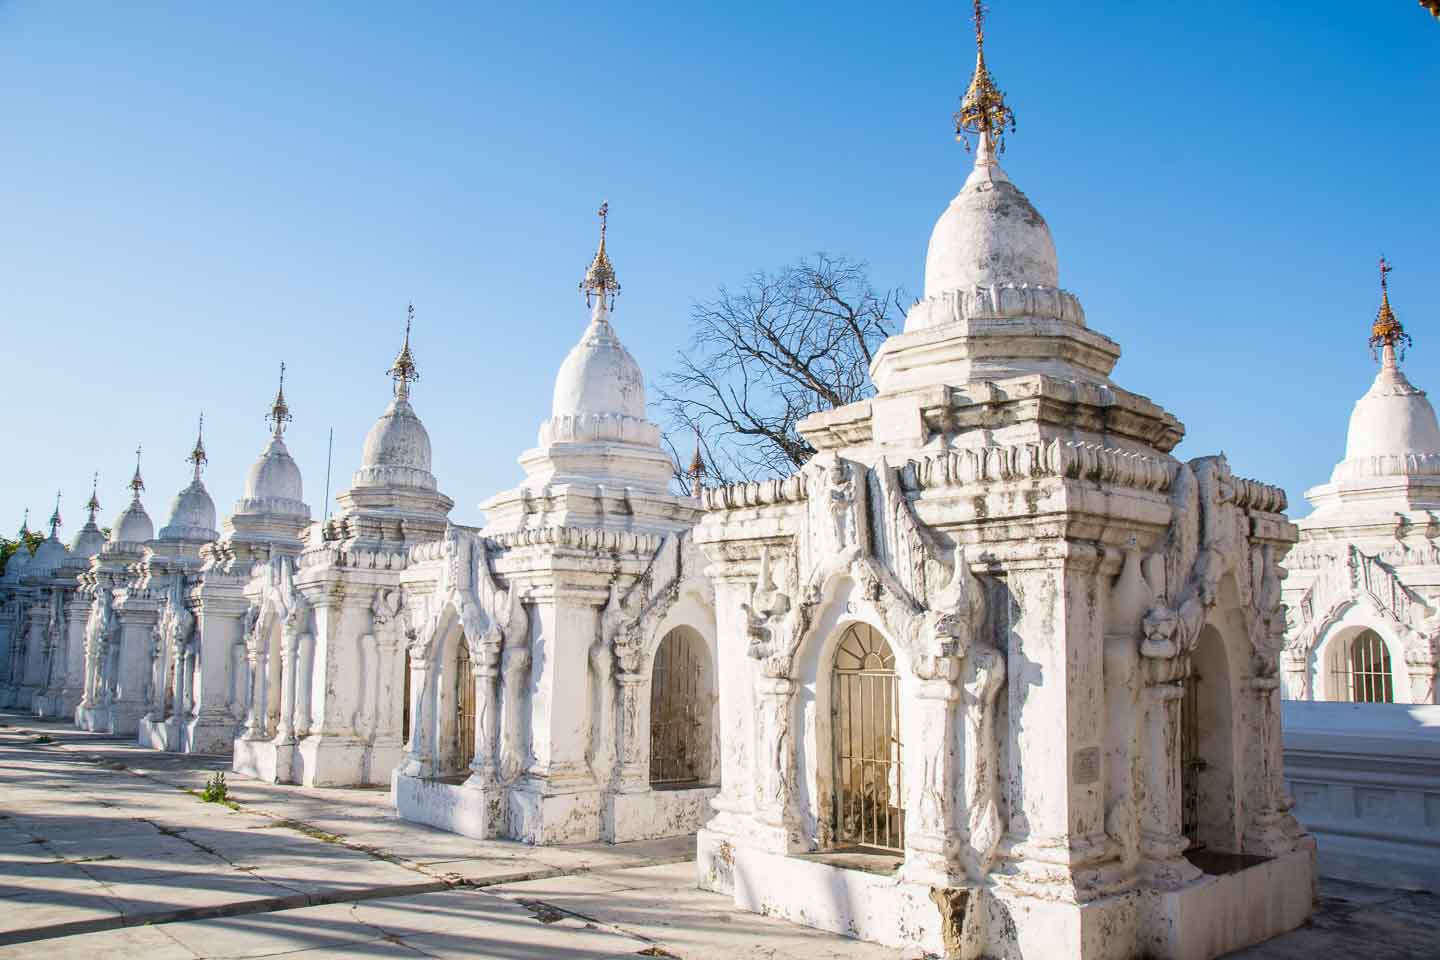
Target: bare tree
764,357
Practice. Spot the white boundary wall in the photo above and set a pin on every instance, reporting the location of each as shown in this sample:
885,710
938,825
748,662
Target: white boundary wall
1366,782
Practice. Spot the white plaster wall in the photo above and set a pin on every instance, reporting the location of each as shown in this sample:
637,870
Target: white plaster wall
1366,782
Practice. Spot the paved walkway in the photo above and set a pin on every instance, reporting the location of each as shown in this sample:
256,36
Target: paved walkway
105,850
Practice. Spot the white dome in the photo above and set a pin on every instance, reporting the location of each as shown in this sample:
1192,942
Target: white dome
192,515
133,525
599,377
1393,430
88,541
49,555
990,234
275,475
397,450
15,566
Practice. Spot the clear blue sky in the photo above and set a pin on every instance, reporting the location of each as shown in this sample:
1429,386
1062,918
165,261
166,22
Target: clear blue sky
192,192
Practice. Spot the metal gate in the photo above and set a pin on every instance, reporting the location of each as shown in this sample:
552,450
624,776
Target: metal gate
1191,763
405,713
464,706
1368,665
869,807
676,726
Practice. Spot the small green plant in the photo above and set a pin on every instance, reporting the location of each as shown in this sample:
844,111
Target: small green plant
215,789
44,738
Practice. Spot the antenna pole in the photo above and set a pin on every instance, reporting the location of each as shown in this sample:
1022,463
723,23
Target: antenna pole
329,459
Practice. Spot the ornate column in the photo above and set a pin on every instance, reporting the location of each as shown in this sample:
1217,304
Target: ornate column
932,839
775,749
515,677
631,766
289,650
1162,844
1420,659
304,673
420,751
486,671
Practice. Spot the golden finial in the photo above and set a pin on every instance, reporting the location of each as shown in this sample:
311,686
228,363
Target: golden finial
25,525
600,277
404,371
55,517
983,110
197,455
697,469
93,505
137,484
279,414
1386,333
1433,6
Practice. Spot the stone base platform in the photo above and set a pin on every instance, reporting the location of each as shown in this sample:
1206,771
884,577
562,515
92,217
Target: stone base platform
317,760
1205,919
533,815
56,705
195,735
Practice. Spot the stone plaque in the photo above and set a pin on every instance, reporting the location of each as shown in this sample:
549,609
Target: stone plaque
1087,766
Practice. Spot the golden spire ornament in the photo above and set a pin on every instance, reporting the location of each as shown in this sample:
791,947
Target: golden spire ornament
983,111
1386,333
93,504
55,517
279,414
600,279
403,371
197,454
697,469
137,485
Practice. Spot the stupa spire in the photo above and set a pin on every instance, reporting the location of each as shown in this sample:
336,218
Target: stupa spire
1386,333
403,371
25,525
93,505
279,414
697,469
600,283
55,515
983,111
197,454
137,485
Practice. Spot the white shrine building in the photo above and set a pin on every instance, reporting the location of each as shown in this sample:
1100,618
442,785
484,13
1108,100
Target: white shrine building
1363,591
998,674
562,658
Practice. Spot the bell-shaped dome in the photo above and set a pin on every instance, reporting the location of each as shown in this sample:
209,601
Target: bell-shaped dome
990,234
599,377
397,449
49,555
88,540
192,515
133,525
275,476
1393,429
18,563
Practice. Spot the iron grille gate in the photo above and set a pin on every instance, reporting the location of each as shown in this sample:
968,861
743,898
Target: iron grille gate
1363,670
869,807
464,706
675,722
1191,763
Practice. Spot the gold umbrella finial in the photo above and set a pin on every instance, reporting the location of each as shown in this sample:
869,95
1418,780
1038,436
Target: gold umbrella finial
403,370
983,111
197,453
1387,335
600,276
279,414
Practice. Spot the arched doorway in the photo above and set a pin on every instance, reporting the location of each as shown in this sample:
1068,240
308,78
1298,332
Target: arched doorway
1360,669
680,710
868,809
464,692
1207,763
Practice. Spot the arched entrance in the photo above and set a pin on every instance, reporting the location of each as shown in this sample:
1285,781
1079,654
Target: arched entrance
463,750
867,809
1207,762
1360,669
680,710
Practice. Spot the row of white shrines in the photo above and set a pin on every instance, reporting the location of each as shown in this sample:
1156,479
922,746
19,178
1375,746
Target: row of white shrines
994,674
